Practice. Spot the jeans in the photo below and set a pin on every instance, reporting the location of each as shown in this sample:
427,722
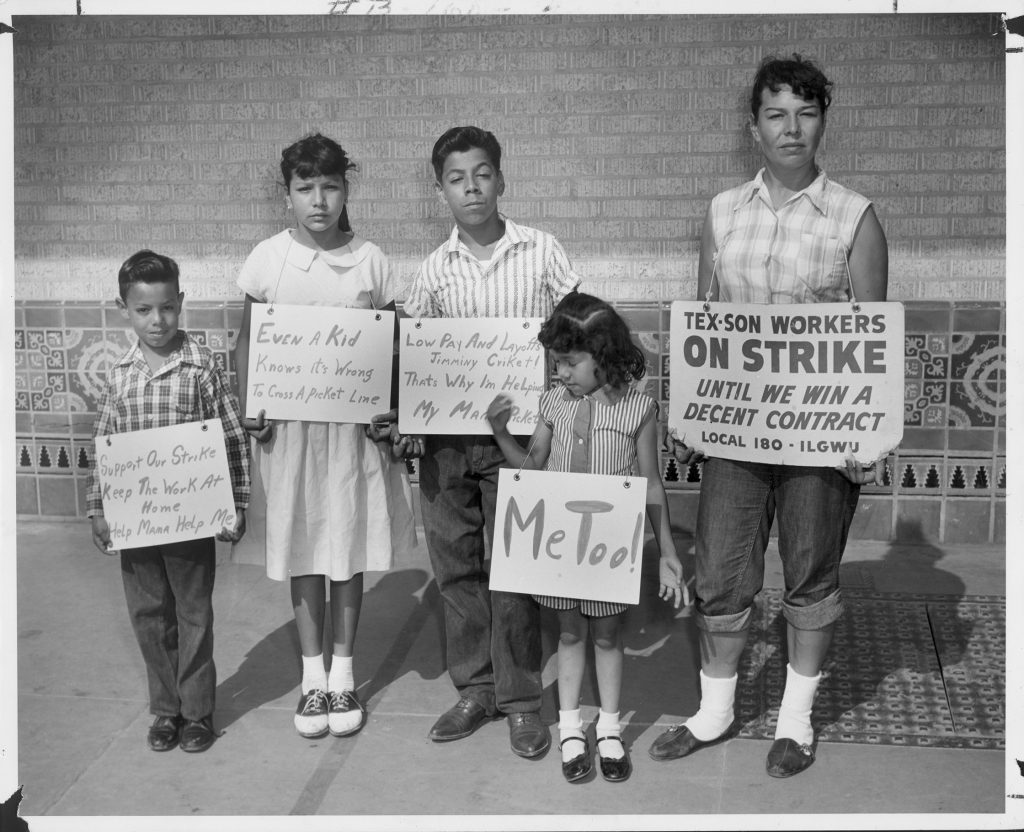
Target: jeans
169,590
738,503
492,638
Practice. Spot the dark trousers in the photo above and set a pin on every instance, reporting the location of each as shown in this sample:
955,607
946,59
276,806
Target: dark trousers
169,590
492,638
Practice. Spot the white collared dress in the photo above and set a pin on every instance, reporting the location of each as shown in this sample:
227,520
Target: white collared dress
336,503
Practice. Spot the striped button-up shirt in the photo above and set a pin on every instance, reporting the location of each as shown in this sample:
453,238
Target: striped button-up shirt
528,274
591,437
188,387
796,254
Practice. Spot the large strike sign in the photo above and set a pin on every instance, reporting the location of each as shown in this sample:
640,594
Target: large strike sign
164,485
791,384
573,535
451,369
319,363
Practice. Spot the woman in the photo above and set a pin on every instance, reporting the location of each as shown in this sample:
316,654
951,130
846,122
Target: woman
790,235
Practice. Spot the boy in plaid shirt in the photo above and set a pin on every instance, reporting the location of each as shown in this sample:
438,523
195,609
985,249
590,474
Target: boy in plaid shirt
165,379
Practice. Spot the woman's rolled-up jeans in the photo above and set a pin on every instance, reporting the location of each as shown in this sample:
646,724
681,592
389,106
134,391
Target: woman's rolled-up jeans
738,503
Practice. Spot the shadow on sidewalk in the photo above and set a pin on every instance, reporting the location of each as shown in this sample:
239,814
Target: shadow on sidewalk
392,619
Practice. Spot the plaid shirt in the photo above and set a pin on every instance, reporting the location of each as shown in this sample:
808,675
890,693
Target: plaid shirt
528,274
188,387
796,254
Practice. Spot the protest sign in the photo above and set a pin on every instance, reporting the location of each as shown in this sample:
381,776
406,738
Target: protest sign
790,384
573,535
164,485
450,370
319,363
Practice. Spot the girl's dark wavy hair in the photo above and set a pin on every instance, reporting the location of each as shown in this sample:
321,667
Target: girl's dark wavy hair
317,155
583,323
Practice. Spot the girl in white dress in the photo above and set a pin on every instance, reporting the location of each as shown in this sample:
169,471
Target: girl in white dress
338,502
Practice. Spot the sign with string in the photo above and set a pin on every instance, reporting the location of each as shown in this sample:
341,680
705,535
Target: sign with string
570,535
450,370
787,384
319,363
165,485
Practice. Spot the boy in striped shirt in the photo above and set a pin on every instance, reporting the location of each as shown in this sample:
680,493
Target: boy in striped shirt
489,267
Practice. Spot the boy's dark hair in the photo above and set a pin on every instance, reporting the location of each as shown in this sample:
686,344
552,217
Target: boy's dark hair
317,155
146,267
583,323
801,75
461,140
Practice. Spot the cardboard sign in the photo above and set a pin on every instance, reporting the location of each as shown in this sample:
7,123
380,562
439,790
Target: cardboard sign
450,370
164,485
319,363
573,535
790,384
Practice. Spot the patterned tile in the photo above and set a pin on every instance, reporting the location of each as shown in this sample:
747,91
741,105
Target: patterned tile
954,397
902,670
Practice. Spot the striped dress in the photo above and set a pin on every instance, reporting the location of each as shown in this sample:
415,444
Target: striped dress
591,437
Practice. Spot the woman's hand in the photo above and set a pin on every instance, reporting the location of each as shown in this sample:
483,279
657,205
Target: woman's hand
684,454
863,474
260,428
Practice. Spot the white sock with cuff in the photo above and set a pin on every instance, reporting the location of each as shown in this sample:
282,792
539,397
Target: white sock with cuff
608,726
715,714
314,677
341,677
570,726
795,711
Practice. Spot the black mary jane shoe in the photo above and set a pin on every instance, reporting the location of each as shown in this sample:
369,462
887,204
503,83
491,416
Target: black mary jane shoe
614,769
164,733
787,757
579,766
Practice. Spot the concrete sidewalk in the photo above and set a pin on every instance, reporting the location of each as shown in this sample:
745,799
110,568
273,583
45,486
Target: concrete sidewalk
83,714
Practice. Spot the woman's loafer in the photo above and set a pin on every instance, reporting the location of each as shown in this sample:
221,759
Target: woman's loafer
787,757
615,769
579,766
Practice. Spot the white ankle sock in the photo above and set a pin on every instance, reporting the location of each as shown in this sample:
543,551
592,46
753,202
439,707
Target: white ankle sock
795,710
570,724
608,726
314,677
341,677
715,714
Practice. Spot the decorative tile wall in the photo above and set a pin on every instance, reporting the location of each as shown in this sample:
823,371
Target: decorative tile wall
947,481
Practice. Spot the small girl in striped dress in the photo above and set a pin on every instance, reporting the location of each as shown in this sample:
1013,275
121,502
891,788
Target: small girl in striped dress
594,422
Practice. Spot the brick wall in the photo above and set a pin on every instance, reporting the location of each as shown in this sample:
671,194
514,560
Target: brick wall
165,131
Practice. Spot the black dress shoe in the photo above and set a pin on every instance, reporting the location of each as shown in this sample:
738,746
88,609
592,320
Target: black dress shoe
677,742
164,733
579,766
787,757
459,721
198,735
528,736
614,769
